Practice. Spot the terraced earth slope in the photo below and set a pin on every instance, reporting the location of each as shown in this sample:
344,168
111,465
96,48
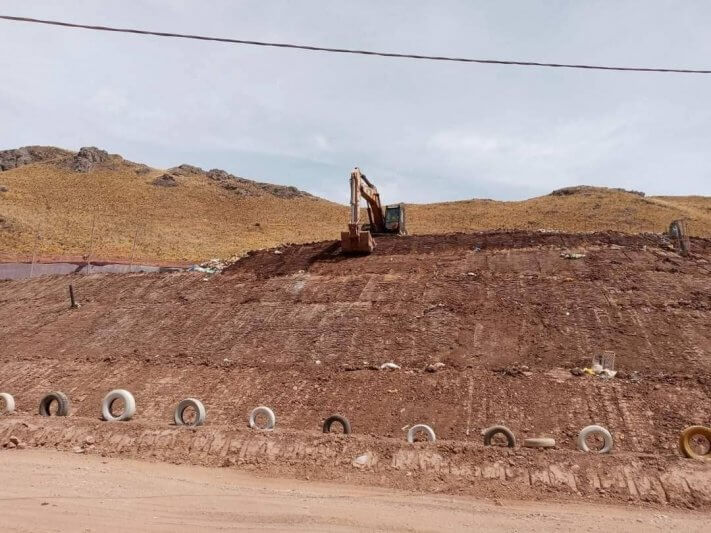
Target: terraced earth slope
305,330
189,214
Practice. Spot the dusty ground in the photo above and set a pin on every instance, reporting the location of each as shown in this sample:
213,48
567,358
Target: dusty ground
304,331
53,491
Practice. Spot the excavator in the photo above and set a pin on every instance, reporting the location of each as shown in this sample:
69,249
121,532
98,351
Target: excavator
391,219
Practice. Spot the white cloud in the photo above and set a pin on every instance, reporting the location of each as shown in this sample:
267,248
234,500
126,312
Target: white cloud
424,131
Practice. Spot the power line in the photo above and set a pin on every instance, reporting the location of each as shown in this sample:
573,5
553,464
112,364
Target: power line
352,51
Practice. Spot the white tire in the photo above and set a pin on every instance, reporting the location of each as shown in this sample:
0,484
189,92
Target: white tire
539,442
129,406
9,402
427,430
262,410
199,408
595,430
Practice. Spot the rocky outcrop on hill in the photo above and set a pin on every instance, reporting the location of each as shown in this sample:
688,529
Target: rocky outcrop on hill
166,180
88,157
27,155
239,185
587,189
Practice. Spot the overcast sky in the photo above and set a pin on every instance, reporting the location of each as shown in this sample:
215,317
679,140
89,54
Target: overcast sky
424,131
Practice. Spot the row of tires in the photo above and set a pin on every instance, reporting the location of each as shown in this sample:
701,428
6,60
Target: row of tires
63,408
109,413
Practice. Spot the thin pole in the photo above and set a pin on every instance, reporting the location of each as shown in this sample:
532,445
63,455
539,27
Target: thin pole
91,245
72,300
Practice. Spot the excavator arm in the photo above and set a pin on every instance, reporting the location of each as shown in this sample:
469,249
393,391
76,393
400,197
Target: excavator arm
370,195
358,240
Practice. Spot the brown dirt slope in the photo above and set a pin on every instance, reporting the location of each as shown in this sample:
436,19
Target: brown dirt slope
188,214
305,331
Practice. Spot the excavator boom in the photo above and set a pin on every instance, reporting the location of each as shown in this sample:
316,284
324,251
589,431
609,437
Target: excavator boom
358,240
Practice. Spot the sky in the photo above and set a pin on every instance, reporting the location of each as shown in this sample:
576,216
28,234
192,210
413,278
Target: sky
422,131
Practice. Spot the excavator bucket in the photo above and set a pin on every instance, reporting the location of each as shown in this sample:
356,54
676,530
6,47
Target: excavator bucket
360,242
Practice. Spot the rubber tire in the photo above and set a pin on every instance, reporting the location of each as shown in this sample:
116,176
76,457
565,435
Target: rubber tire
263,410
539,442
421,427
199,411
495,430
684,444
64,406
337,418
129,406
9,403
591,430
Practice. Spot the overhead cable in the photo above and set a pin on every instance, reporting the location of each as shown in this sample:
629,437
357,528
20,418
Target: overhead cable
355,51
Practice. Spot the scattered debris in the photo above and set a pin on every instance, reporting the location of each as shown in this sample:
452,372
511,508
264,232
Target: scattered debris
514,371
572,255
363,459
204,270
215,266
434,367
389,366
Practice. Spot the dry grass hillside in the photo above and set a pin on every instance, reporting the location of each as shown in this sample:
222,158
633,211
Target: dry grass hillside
573,209
187,214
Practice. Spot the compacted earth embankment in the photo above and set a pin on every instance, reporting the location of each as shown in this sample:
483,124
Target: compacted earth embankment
485,329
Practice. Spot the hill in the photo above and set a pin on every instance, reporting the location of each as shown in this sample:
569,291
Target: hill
184,213
187,213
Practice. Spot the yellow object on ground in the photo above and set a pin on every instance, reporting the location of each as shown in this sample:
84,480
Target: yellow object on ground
685,442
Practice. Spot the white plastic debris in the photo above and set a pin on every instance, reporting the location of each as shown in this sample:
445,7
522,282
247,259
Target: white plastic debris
434,367
389,366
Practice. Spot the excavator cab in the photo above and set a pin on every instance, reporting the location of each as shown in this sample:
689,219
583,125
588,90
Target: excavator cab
390,219
395,219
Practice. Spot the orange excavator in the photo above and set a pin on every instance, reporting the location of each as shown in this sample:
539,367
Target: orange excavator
391,219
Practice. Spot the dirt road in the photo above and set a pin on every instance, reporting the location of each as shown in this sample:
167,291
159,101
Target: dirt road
53,491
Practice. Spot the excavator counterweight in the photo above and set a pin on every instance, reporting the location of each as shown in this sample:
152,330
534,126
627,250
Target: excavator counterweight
391,219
